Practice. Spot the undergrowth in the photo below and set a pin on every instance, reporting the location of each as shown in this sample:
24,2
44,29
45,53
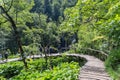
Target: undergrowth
113,64
59,68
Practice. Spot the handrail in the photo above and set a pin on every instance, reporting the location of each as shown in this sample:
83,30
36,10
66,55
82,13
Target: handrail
99,51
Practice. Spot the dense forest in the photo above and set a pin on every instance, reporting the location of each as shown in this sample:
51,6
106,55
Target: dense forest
59,26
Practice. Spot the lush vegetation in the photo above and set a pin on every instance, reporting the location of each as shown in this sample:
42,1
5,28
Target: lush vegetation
59,68
50,26
113,64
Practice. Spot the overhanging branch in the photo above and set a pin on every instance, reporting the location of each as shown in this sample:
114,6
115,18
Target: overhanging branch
10,6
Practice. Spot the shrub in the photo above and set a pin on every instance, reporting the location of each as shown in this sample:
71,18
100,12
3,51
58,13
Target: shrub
65,71
9,70
113,64
63,68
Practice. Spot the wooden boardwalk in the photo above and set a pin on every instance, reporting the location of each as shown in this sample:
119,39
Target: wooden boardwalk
94,69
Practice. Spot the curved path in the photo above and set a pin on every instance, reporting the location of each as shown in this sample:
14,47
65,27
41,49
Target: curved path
94,69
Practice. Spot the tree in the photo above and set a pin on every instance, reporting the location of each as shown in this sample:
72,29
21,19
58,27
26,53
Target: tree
52,8
111,25
47,8
81,20
5,12
17,35
49,37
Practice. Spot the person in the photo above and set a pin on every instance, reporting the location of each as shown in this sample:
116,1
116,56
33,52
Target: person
6,55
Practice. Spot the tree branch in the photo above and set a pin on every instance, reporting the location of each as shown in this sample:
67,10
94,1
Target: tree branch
10,6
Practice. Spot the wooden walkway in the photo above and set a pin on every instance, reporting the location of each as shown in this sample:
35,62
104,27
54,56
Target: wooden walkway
94,69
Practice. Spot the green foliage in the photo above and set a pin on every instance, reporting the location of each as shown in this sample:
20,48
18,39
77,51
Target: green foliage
113,64
91,20
77,24
81,20
58,68
2,78
19,11
65,71
9,70
54,9
62,71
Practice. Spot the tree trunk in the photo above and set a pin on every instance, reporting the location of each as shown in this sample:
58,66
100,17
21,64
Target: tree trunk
46,58
76,35
9,18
